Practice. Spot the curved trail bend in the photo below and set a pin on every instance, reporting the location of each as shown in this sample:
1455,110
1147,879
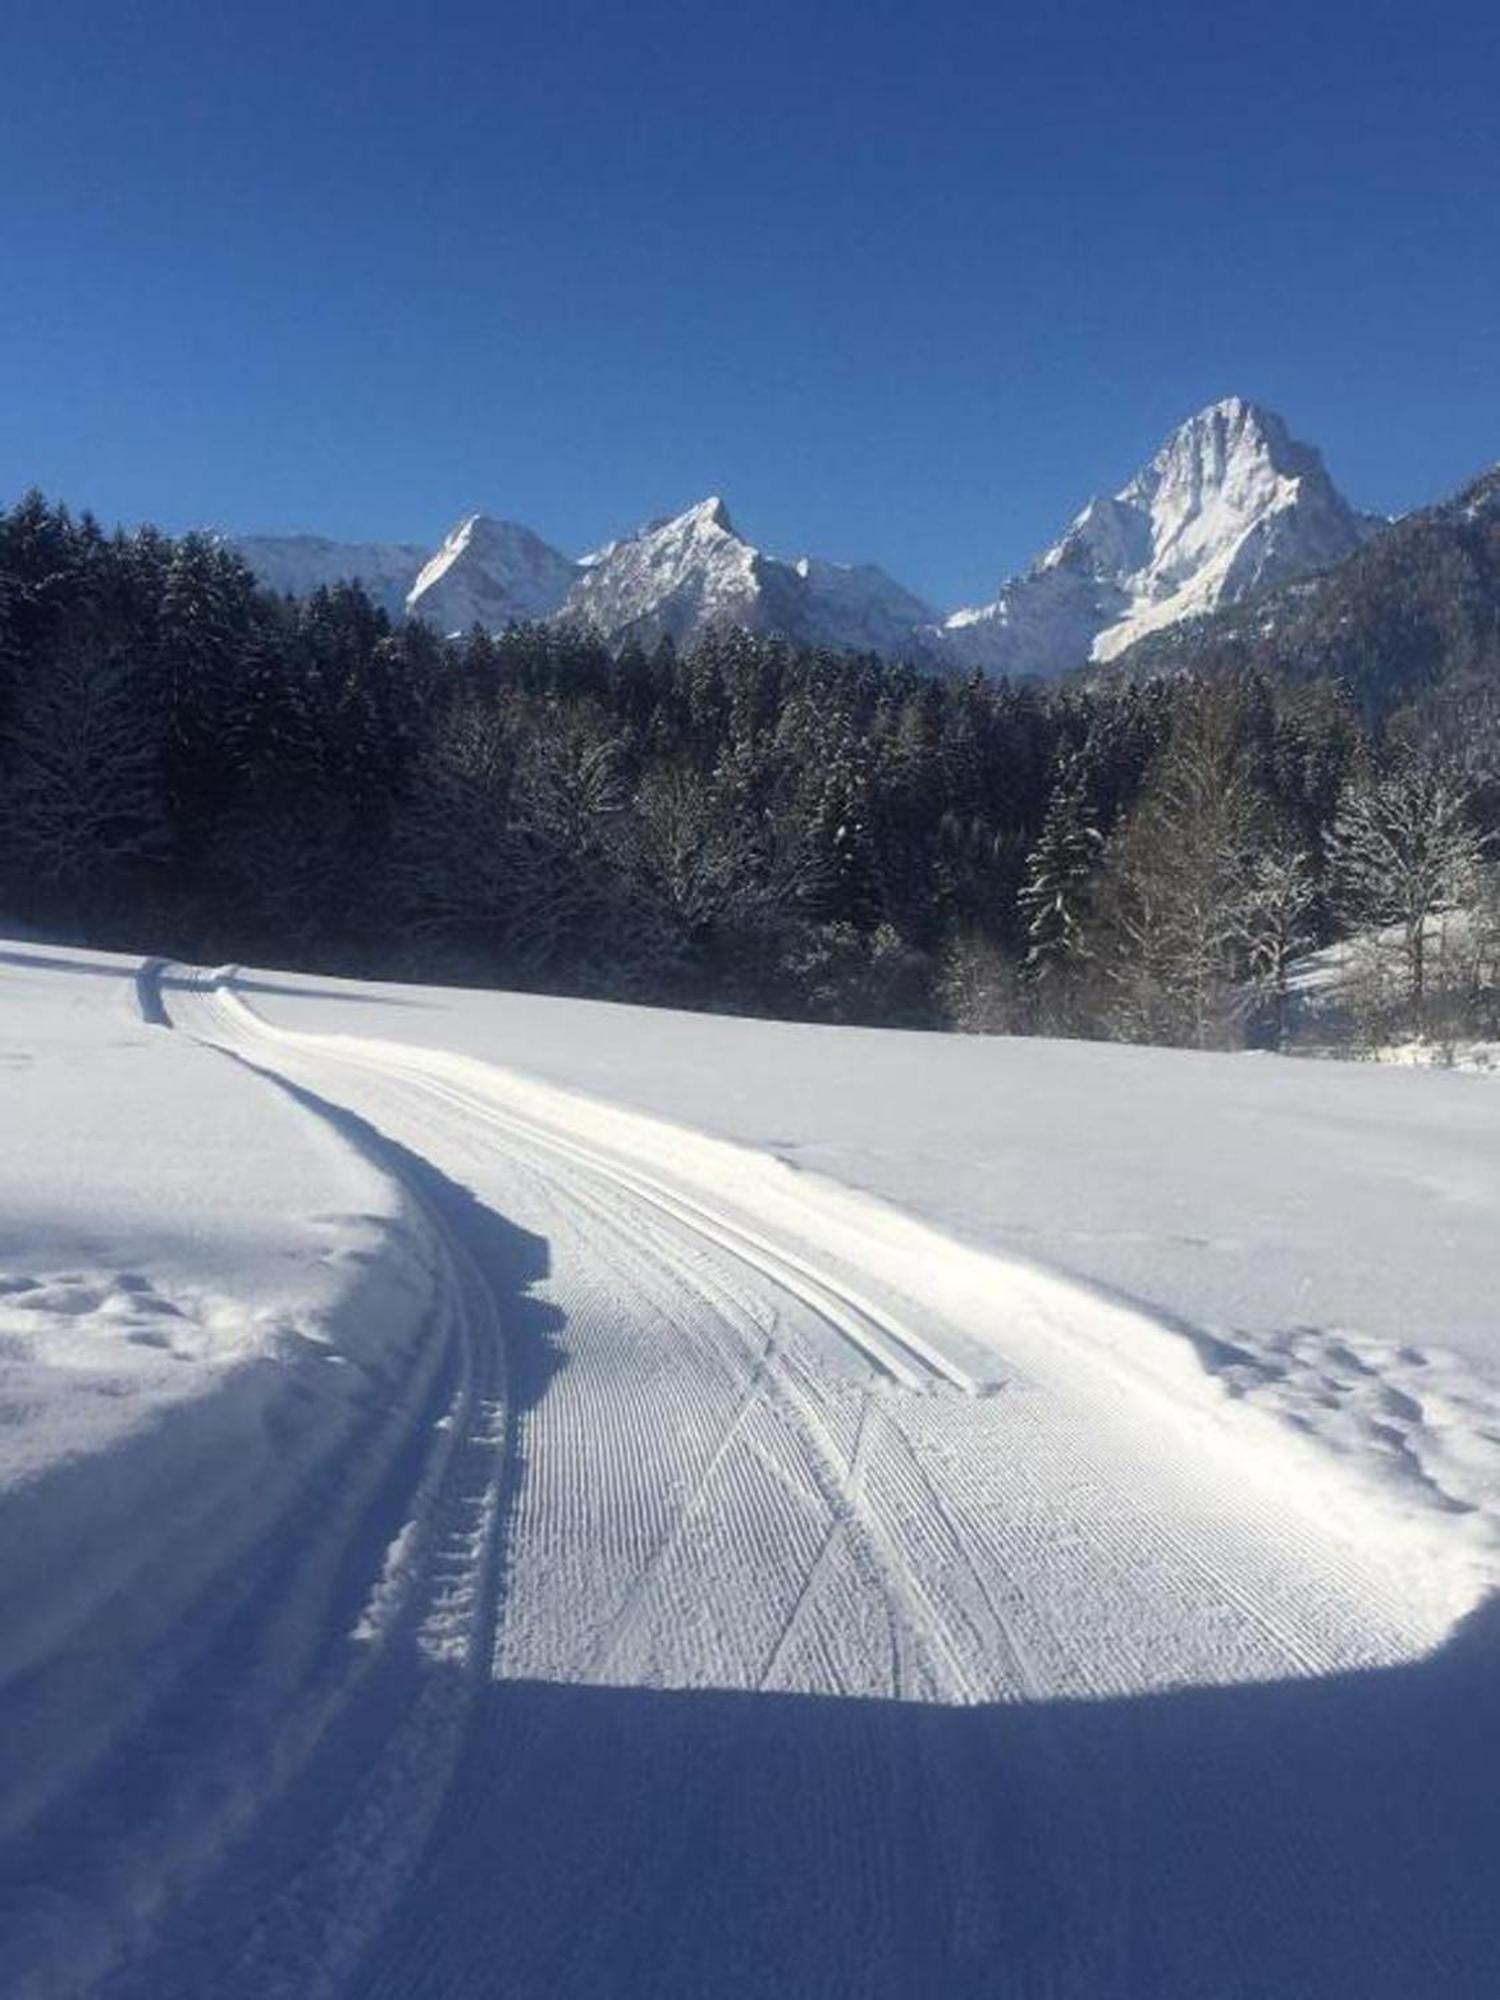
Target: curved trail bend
787,1643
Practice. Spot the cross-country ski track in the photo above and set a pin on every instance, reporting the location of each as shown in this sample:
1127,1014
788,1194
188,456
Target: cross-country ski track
747,1593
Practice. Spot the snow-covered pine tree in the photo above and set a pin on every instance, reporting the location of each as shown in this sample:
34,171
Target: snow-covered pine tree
1174,883
1056,897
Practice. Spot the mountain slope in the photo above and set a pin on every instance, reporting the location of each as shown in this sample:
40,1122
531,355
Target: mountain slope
490,573
297,565
1229,504
857,607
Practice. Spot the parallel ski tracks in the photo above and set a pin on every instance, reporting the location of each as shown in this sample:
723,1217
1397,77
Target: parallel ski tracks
747,1476
895,1351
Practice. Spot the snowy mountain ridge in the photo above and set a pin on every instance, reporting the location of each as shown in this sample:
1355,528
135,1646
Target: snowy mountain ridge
1230,504
693,572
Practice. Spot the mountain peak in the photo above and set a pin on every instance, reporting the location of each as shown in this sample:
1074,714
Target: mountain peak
714,513
1229,503
492,573
1220,440
711,514
1238,412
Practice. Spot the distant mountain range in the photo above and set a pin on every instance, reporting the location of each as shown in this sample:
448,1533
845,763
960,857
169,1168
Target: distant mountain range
1230,505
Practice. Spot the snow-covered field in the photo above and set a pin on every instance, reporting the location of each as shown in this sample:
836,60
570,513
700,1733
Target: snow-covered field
529,1497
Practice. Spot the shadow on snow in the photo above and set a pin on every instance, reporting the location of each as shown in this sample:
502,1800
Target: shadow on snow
1317,1838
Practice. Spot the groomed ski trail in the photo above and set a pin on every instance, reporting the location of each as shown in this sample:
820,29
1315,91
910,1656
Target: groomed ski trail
696,1491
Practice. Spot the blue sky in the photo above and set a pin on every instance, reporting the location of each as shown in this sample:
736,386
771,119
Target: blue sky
903,282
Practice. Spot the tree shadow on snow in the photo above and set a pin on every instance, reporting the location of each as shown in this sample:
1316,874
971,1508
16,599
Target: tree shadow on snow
210,1732
1316,1838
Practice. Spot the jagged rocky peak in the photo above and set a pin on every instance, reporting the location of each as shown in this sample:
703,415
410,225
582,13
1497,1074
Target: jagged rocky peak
673,579
694,572
1229,504
490,573
709,515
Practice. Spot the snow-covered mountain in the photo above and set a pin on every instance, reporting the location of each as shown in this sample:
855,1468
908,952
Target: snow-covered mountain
490,573
857,606
694,572
297,565
674,578
1230,504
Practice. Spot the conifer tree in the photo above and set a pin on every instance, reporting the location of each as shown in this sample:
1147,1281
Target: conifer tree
80,798
1056,896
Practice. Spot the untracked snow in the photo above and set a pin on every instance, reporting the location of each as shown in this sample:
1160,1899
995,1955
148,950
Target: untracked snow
207,1299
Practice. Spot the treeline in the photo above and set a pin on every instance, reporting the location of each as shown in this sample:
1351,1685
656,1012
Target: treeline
189,762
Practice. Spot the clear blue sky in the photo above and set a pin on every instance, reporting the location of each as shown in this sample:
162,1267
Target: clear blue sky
903,282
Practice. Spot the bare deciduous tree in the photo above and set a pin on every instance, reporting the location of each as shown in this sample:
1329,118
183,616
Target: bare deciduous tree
1173,887
1274,914
1404,849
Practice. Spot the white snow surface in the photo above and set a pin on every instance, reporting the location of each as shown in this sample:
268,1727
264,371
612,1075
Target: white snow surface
1271,1210
1230,504
511,1494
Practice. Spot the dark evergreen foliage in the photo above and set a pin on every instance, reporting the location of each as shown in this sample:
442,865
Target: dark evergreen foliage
190,763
